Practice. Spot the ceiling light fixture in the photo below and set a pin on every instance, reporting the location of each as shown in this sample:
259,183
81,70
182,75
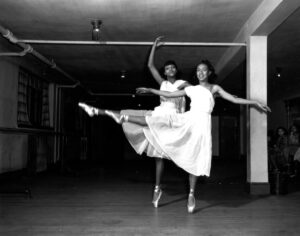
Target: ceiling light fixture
278,72
96,29
123,74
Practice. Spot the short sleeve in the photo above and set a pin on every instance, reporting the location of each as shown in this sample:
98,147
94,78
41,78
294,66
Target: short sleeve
179,82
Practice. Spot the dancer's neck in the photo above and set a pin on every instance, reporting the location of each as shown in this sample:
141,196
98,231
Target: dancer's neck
171,79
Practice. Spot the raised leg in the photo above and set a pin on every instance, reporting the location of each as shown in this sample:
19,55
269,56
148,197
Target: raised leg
126,118
140,120
115,115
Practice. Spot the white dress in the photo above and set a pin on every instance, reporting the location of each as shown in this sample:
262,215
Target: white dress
186,138
135,133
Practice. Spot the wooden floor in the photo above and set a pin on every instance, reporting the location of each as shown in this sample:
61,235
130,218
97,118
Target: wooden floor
117,201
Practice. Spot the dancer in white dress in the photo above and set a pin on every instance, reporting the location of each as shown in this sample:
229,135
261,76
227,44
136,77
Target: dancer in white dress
184,138
135,132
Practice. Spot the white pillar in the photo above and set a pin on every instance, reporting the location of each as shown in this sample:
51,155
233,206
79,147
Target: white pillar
257,153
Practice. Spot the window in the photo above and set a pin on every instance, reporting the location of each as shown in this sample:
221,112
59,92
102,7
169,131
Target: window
33,103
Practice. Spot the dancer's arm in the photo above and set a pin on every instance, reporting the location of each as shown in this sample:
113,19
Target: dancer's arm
234,99
151,66
184,85
161,93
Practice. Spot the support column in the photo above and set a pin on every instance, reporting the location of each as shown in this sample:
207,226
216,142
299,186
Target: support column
257,153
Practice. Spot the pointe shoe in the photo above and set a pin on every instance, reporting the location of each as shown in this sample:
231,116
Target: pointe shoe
156,197
118,119
91,111
191,203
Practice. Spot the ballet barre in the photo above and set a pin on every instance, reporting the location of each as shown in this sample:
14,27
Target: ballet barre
130,43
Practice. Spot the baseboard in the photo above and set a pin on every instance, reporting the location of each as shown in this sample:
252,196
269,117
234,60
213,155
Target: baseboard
258,188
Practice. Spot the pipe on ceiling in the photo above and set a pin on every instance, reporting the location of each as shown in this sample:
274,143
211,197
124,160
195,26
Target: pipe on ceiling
26,50
69,86
124,43
9,35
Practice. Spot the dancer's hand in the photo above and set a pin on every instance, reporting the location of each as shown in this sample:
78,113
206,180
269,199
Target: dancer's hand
263,107
142,90
158,42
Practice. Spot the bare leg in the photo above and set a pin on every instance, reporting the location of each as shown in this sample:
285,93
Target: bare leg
193,181
141,120
191,199
157,190
159,170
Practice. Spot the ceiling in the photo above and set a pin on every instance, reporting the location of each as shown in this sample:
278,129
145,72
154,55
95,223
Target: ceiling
98,67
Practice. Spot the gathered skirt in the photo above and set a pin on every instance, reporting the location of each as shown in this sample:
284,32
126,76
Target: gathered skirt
183,138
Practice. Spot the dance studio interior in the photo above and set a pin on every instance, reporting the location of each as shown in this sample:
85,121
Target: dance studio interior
64,172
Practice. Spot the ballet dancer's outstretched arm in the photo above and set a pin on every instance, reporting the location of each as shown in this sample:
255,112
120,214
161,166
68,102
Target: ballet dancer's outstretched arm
167,94
215,90
151,65
234,99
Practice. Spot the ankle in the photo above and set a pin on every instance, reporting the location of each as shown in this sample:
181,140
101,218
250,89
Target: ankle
125,118
156,188
191,193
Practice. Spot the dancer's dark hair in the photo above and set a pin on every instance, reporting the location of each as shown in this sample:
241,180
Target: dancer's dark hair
170,62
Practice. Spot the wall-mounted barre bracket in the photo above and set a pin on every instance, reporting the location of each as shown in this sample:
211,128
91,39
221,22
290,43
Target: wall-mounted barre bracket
26,50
